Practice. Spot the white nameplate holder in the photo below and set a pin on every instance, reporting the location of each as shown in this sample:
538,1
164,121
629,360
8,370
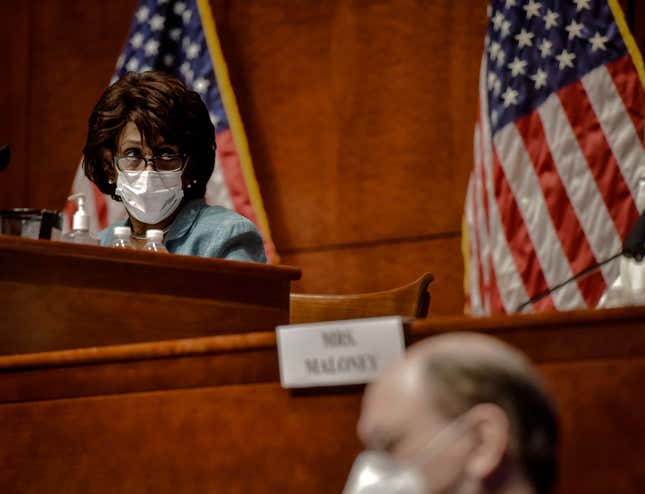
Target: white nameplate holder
338,352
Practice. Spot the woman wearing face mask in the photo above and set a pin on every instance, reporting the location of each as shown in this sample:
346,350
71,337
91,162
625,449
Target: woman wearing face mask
151,145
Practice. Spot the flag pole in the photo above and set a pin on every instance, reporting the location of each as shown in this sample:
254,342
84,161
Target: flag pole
235,121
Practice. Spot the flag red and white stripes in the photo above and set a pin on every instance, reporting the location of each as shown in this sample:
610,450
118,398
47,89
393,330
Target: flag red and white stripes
554,192
558,153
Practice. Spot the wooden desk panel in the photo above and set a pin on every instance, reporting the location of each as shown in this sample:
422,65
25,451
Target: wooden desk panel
205,362
208,414
601,408
234,439
56,295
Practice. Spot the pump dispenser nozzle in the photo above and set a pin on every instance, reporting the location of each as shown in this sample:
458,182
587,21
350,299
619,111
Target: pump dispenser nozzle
80,233
81,220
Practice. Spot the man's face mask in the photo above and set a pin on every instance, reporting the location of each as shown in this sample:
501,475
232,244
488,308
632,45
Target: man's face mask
376,472
150,196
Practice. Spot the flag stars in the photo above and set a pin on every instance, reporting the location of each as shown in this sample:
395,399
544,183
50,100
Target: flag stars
494,84
142,14
545,48
497,87
494,49
565,59
506,29
539,79
157,22
201,85
192,51
175,34
151,47
168,59
137,41
501,58
551,19
184,68
517,67
132,65
187,15
598,42
524,38
532,9
510,97
574,29
179,8
582,5
491,79
498,19
494,116
510,3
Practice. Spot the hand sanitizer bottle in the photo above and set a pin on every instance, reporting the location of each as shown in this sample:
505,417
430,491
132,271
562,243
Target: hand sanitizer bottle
122,237
154,241
80,233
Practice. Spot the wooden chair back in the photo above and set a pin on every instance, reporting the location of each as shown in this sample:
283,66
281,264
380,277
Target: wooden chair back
412,300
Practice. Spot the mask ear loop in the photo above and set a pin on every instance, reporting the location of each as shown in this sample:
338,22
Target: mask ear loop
440,441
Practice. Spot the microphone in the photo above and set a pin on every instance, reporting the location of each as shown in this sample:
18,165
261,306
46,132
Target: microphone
634,244
5,156
633,247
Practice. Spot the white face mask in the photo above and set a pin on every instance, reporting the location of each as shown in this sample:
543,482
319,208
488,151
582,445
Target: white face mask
376,472
150,196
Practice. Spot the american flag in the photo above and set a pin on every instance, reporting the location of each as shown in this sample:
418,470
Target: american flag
179,37
558,151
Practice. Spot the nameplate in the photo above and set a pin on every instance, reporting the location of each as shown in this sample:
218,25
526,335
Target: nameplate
338,352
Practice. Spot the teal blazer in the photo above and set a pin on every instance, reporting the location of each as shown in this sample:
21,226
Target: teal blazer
207,231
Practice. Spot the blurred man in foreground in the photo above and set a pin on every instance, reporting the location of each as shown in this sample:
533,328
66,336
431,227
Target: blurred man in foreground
462,413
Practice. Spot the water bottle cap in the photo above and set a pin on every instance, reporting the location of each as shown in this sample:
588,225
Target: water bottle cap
122,231
154,234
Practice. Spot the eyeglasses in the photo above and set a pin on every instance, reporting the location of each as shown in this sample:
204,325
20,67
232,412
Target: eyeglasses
163,163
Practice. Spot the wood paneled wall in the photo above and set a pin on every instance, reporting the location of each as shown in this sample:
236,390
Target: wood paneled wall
359,116
360,120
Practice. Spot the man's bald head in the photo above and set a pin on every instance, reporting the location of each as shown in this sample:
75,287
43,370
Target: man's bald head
445,376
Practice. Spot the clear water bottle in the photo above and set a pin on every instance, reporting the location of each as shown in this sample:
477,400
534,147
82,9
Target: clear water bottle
122,237
154,241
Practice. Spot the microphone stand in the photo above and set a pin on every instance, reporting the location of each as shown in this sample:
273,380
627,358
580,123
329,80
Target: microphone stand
582,274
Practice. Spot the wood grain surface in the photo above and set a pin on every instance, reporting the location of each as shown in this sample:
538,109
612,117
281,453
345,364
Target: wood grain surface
207,414
56,296
359,117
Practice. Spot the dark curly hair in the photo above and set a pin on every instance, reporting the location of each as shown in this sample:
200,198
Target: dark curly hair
161,107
